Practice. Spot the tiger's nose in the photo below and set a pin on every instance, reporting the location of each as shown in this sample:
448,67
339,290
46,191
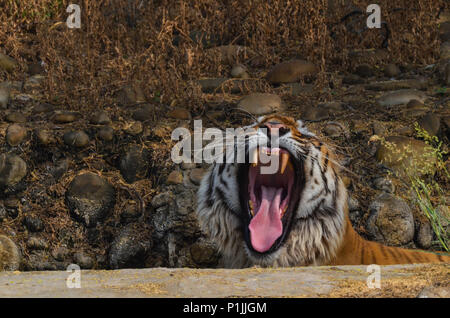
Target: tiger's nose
275,128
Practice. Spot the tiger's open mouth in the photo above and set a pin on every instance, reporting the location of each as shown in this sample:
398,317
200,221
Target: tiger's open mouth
269,199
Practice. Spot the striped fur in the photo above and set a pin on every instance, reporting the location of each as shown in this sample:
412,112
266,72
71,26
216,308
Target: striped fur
321,233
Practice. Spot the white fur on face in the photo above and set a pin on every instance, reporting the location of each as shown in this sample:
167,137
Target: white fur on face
318,223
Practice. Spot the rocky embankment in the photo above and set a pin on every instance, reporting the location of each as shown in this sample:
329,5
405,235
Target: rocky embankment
99,189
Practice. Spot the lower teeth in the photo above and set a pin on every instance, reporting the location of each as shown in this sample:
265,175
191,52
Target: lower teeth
250,204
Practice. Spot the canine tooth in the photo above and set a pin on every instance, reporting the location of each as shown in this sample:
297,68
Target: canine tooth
250,204
284,161
254,157
284,211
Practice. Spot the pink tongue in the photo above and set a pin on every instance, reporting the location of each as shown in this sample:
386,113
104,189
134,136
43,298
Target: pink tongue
265,227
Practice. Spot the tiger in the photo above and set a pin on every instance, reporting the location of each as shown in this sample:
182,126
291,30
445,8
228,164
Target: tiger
296,216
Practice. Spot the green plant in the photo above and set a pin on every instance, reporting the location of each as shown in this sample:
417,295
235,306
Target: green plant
429,193
419,171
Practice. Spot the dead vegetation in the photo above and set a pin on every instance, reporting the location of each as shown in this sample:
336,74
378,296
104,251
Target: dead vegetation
163,47
166,45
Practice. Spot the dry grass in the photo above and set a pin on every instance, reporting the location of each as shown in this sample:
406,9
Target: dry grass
155,46
123,42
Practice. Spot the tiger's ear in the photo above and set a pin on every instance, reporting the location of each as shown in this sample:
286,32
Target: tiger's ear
303,129
260,119
300,124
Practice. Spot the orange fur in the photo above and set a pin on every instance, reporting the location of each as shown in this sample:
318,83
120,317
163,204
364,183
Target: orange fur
354,249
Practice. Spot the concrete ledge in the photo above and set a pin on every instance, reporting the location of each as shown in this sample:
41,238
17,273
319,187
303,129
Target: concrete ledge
327,281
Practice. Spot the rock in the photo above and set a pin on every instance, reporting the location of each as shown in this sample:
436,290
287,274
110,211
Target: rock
43,108
444,51
390,220
446,121
424,236
415,108
391,70
446,75
298,88
378,128
333,129
444,17
36,243
435,292
400,281
391,85
204,253
444,37
355,217
33,223
9,254
430,123
179,113
15,134
12,170
145,112
332,106
312,113
175,177
3,213
64,117
384,184
60,253
83,260
260,103
196,175
15,117
89,198
11,203
76,138
134,128
239,71
414,103
401,97
353,204
134,164
38,260
162,199
7,63
228,53
131,94
130,213
4,94
209,85
353,79
290,71
36,68
60,169
406,155
131,247
44,136
364,70
106,133
100,118
34,82
444,27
